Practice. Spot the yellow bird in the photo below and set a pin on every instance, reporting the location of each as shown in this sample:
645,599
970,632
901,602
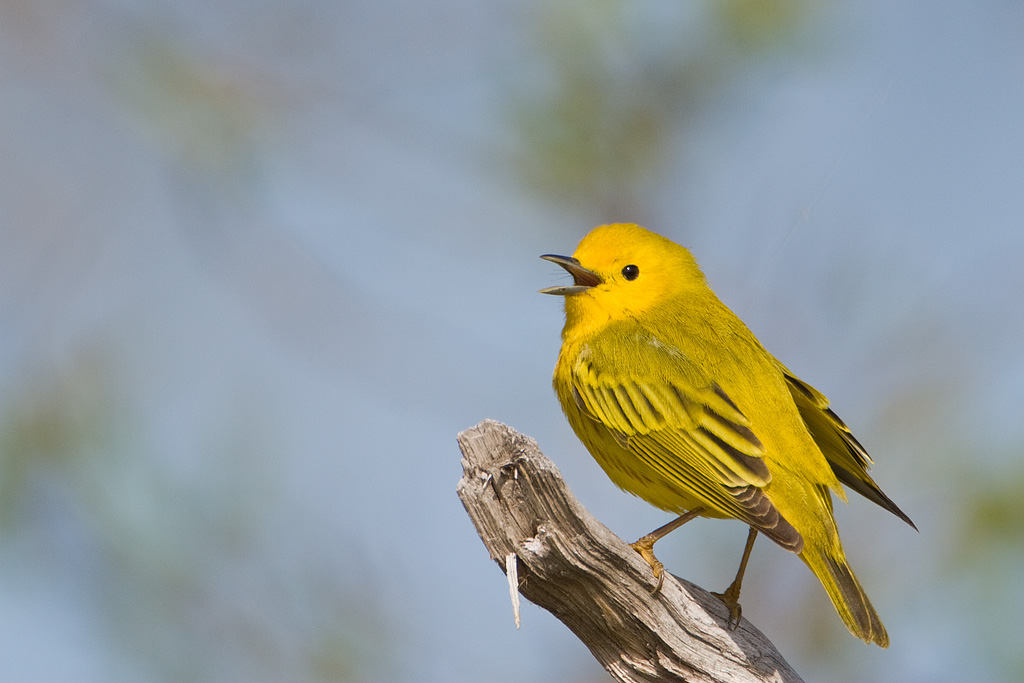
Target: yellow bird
681,405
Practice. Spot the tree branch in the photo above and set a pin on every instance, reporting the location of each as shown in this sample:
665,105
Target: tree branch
573,566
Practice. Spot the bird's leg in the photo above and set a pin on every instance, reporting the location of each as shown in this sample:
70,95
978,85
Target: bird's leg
731,596
645,544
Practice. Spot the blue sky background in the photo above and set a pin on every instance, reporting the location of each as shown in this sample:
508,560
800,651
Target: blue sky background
262,261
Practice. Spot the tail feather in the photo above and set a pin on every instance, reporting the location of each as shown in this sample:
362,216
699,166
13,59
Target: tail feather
847,596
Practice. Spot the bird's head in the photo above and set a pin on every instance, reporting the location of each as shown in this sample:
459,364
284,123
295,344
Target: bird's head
621,270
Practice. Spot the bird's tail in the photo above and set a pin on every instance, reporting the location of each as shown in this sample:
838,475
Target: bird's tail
848,597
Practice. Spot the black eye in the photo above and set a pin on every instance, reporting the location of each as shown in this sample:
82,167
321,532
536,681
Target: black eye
631,272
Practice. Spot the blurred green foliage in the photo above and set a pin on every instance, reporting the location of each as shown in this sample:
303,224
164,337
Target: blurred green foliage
50,433
175,566
759,25
984,549
619,84
199,110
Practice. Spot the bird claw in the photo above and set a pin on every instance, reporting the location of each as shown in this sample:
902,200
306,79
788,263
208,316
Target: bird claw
732,603
645,546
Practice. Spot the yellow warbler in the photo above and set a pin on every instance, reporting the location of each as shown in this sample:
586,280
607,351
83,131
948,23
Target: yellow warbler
681,405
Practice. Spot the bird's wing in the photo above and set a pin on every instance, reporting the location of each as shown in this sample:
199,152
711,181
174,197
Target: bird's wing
845,455
685,427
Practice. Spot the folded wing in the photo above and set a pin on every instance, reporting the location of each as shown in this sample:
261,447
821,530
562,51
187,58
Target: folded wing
685,427
845,455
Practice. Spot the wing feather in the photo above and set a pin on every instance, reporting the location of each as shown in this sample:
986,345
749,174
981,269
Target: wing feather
844,453
689,432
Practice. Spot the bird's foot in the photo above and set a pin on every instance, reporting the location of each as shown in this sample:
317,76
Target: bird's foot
645,546
731,598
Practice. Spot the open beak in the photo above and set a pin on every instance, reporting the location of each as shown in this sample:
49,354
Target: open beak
583,279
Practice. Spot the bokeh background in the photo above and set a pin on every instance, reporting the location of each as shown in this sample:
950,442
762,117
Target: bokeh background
261,261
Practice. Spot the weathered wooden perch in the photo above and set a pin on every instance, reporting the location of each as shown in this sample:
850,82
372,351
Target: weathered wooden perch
573,566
